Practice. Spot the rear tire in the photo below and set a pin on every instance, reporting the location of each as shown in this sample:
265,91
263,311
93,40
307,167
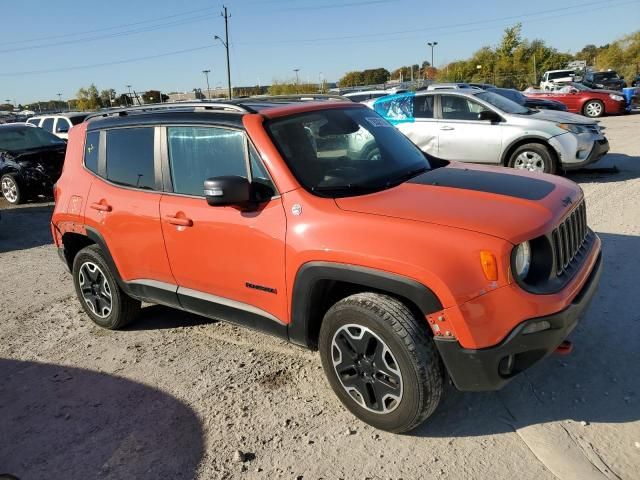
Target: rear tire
593,109
381,361
99,293
533,157
11,189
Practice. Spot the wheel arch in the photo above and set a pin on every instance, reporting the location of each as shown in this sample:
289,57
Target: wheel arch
318,285
506,156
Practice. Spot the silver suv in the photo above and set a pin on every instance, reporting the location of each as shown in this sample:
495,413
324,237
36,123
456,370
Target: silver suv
482,127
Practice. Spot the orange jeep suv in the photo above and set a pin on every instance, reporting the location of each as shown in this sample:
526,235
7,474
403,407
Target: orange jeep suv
319,222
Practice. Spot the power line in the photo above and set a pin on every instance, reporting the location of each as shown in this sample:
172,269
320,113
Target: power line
149,28
114,27
105,64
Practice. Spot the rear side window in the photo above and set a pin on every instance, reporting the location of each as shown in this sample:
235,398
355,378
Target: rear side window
423,106
91,149
47,124
34,121
198,153
130,157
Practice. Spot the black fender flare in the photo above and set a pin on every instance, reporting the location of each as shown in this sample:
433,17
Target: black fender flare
309,274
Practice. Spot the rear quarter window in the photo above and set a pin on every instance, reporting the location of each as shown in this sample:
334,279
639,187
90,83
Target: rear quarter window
91,149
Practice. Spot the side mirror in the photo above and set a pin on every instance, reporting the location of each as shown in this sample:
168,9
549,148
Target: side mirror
489,115
228,190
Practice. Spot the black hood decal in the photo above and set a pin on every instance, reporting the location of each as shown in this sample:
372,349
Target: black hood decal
489,182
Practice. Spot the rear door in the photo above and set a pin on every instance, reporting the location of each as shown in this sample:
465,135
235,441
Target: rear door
62,127
124,202
47,124
462,137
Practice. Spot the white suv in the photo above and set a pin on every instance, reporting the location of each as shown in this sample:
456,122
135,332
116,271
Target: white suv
58,124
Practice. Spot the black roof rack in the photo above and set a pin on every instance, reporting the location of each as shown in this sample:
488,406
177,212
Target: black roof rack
239,105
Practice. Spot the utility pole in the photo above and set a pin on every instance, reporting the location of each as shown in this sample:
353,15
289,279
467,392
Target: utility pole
225,42
206,74
535,70
130,97
297,81
432,45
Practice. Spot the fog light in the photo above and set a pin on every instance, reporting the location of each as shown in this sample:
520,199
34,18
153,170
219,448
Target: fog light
536,327
505,367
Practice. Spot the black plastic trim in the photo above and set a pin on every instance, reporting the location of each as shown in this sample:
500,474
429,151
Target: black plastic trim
311,273
478,369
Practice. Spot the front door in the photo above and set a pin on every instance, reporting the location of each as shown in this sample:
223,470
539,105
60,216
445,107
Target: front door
225,260
462,137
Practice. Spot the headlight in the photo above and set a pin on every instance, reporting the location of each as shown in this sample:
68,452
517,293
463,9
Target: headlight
523,259
617,98
572,127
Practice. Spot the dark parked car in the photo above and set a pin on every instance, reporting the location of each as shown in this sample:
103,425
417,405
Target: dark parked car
636,81
520,99
30,161
604,80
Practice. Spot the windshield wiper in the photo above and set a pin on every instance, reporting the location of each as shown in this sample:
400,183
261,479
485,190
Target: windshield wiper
351,187
406,176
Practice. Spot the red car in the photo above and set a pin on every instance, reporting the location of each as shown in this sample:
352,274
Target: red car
584,100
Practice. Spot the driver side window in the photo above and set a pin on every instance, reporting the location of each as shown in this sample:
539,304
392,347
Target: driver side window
460,108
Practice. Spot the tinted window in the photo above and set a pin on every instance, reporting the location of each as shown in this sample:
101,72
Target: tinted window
198,153
91,149
423,106
562,74
63,125
130,157
47,124
17,138
459,108
34,121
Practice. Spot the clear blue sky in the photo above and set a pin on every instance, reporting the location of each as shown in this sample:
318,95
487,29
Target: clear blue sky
268,38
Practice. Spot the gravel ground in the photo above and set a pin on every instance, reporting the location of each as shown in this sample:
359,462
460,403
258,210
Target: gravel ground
176,396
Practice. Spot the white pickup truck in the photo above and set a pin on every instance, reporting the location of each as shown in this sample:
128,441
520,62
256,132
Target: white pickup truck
551,78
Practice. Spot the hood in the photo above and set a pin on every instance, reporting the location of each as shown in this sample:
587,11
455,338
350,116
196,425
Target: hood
558,116
494,201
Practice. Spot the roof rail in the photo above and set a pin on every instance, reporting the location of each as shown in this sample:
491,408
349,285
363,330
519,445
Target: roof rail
154,107
301,97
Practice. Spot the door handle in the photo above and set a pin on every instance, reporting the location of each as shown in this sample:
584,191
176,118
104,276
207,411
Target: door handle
180,222
101,207
447,128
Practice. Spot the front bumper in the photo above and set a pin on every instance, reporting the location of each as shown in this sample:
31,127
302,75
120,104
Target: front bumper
599,150
479,370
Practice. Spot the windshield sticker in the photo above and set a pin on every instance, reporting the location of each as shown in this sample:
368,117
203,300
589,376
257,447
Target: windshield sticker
378,122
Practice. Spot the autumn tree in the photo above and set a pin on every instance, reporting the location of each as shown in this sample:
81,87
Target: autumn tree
88,98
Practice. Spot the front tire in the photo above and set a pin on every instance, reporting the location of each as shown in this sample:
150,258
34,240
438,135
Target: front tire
99,293
11,189
381,361
593,109
533,157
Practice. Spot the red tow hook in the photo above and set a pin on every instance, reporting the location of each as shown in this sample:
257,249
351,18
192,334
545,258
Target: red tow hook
565,348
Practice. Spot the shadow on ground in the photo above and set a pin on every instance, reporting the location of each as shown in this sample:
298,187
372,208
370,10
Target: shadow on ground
57,421
25,227
598,383
615,167
159,317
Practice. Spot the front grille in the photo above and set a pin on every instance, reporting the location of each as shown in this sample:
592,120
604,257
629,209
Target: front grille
569,237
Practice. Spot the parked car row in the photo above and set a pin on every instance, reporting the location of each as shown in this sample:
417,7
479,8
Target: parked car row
584,100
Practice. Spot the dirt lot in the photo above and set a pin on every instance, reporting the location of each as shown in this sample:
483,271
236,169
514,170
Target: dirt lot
176,395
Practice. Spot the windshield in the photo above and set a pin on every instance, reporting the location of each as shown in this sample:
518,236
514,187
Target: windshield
606,76
502,103
561,74
15,139
512,95
344,152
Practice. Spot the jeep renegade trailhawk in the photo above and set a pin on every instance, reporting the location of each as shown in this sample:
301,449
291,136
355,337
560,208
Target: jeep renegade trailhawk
321,223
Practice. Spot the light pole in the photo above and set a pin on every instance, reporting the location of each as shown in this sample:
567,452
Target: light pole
206,74
432,45
59,100
226,46
297,79
479,67
130,98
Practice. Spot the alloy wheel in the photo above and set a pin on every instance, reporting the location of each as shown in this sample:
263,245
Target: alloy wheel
95,289
9,189
530,161
366,368
593,109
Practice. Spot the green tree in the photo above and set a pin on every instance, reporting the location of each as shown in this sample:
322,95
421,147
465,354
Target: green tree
351,79
88,98
107,97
